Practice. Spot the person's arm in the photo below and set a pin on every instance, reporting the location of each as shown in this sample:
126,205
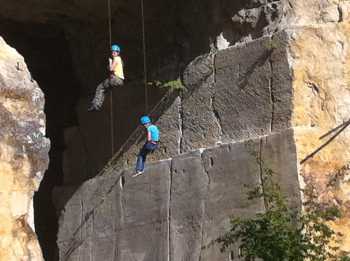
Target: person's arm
113,65
149,136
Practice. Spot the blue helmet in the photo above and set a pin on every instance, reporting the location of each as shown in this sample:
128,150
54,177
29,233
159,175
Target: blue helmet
115,48
145,119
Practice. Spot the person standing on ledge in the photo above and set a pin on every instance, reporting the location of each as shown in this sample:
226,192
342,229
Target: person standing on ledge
150,146
116,78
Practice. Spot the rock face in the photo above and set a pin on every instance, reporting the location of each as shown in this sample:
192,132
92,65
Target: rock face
23,155
319,55
177,208
235,94
174,38
275,83
176,33
282,96
218,136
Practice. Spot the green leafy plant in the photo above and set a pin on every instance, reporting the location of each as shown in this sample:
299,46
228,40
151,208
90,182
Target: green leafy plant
282,234
172,85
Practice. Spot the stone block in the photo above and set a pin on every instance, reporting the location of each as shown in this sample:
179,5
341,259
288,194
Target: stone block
247,88
278,154
232,170
189,189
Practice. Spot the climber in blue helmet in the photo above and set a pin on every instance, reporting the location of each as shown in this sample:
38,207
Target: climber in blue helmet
115,48
116,78
150,146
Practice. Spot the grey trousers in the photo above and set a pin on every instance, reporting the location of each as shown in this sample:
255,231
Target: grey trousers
107,84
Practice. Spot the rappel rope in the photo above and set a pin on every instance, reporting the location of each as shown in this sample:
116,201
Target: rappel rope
112,124
144,56
111,95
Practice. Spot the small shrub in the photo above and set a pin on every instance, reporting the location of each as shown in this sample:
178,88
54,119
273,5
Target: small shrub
282,234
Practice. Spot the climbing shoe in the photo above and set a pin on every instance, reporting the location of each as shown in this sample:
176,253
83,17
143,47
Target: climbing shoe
138,173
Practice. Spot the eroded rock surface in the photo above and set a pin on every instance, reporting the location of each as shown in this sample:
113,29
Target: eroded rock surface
23,156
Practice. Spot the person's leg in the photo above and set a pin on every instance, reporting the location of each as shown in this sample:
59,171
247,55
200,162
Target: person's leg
116,81
99,98
149,147
141,158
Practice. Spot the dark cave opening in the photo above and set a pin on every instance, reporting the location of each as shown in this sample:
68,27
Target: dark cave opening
49,58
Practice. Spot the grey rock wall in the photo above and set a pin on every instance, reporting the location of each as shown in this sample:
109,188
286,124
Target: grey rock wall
178,207
217,137
234,94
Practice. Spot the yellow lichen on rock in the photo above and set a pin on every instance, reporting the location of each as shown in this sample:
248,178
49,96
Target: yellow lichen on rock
23,156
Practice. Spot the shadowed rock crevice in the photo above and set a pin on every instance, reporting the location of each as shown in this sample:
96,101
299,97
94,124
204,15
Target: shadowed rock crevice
272,97
212,98
206,200
169,239
217,117
181,124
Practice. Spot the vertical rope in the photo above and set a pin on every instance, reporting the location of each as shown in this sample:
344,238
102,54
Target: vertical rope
109,24
144,56
111,94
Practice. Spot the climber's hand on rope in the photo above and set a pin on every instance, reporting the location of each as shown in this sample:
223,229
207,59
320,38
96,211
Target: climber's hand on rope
110,62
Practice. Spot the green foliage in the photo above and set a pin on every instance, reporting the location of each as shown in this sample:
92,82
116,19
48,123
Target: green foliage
174,85
273,43
282,234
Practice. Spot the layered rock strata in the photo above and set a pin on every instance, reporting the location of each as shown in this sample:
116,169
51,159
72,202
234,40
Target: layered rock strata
23,156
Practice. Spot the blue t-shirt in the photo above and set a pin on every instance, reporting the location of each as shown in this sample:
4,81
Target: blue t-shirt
154,132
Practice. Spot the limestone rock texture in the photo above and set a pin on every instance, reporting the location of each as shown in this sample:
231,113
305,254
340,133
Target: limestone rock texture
319,58
23,156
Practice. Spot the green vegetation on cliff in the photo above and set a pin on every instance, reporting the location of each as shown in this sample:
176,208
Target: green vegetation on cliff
282,233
